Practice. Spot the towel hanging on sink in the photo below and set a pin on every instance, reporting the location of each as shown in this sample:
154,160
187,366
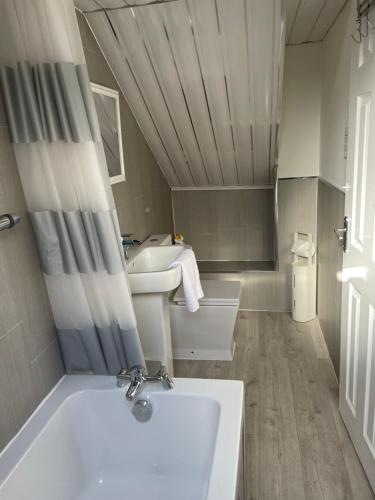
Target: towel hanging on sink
190,278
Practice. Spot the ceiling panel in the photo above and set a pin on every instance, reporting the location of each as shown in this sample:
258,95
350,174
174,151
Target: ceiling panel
291,11
329,13
97,4
310,20
306,20
203,80
86,4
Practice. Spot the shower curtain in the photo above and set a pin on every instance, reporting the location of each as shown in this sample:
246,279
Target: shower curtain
60,158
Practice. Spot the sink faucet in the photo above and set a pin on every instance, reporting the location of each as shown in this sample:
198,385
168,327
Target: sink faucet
137,377
128,242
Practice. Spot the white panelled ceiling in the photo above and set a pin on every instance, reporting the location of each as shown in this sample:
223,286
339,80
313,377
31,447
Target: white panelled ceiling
310,20
203,79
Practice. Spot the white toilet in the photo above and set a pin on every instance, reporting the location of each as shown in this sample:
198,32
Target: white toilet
207,333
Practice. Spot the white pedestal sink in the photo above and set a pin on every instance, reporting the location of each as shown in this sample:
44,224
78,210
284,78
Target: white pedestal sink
151,281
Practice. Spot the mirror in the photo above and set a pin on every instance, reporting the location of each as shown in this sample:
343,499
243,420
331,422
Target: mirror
107,103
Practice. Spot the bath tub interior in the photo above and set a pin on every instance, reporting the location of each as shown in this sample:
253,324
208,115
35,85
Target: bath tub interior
93,448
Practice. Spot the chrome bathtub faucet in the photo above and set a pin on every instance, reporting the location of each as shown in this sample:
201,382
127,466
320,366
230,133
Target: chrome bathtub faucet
137,377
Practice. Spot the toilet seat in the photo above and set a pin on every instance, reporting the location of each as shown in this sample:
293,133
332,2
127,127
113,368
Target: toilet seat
216,293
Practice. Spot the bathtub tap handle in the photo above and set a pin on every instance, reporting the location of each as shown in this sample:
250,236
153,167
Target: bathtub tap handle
161,376
137,377
123,377
166,380
134,387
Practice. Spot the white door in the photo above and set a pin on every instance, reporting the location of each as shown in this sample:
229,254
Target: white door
357,373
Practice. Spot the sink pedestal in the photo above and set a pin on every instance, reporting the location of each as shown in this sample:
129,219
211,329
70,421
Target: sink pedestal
152,313
151,280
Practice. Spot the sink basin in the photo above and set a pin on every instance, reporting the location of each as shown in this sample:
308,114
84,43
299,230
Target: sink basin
148,270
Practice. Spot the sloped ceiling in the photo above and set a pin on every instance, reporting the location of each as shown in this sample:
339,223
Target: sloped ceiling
203,79
310,20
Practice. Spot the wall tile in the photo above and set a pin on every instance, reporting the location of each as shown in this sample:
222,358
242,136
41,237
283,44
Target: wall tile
26,325
95,63
226,225
47,369
11,194
88,40
40,324
9,316
18,393
298,200
3,120
21,276
331,210
271,291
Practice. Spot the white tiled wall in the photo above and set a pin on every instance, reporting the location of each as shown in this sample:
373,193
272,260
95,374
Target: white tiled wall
30,361
227,224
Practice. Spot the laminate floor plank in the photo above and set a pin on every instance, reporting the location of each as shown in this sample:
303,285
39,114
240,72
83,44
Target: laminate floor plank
296,444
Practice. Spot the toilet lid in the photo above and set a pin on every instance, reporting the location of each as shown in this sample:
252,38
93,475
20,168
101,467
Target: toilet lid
215,293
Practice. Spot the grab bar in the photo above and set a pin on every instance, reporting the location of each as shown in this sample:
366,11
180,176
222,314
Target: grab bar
7,221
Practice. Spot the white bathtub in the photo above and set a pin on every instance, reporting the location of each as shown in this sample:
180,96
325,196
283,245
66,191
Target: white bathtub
83,443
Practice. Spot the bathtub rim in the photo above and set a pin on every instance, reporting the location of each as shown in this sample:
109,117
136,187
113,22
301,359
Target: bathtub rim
229,395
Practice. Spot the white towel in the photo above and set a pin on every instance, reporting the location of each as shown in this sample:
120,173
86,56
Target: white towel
190,279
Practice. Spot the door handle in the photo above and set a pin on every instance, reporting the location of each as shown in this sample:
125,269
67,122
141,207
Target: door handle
342,234
339,232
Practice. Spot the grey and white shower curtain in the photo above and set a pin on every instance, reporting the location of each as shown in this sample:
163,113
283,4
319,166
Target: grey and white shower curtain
60,158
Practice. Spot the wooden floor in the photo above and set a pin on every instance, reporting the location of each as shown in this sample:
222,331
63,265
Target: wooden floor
296,444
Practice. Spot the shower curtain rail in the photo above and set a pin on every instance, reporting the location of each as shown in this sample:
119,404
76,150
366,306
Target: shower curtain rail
7,221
